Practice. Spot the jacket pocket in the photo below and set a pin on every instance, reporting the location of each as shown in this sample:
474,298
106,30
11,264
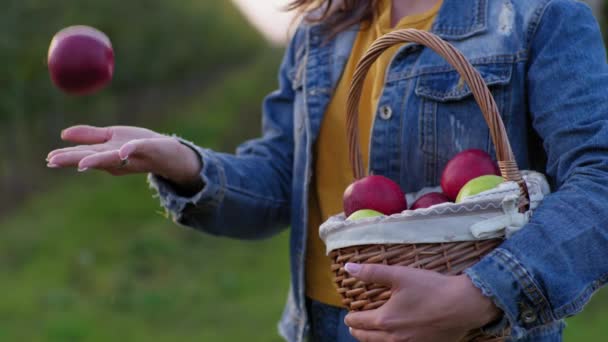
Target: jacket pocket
450,119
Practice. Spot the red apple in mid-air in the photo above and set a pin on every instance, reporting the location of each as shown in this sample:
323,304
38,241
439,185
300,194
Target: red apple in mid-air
374,192
429,199
80,60
465,166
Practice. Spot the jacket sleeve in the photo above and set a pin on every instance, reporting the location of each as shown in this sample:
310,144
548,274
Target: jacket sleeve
245,195
550,269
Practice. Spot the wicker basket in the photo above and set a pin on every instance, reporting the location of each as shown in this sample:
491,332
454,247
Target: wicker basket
448,258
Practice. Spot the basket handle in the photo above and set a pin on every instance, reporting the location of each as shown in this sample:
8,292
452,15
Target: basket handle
506,160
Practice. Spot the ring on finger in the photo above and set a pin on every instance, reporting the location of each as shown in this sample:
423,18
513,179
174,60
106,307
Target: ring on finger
123,163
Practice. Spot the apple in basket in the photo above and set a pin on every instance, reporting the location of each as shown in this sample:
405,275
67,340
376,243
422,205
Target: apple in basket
364,213
374,192
465,166
477,185
429,199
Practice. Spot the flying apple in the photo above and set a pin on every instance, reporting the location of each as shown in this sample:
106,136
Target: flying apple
80,60
429,199
465,166
374,192
364,213
477,185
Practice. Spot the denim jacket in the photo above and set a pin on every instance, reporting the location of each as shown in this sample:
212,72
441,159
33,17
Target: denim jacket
545,63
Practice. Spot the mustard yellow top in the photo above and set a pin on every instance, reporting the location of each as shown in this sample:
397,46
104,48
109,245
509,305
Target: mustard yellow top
332,169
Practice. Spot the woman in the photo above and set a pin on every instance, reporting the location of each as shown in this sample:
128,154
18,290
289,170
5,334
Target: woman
544,62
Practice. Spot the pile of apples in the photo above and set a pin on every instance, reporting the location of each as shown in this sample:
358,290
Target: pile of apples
468,173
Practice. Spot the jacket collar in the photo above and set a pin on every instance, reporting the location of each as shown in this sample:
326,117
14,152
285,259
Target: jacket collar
456,20
459,19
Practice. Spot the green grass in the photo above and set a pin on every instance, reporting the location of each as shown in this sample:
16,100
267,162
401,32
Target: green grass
94,260
592,324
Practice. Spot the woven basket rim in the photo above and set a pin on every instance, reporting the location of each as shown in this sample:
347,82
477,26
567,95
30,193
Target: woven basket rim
491,208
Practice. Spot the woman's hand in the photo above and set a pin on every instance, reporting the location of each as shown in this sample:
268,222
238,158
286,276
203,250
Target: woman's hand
424,306
122,150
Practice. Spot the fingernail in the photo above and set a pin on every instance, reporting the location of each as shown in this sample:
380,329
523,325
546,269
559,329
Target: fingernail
125,151
82,169
352,268
52,166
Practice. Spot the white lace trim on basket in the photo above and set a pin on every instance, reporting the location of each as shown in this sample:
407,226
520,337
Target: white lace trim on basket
487,215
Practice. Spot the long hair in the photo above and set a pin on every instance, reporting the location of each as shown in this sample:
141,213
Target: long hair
336,15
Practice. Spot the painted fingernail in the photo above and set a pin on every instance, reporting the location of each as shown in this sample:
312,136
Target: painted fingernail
82,169
352,268
125,151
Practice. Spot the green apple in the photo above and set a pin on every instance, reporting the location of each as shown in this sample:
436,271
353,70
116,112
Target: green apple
477,185
364,213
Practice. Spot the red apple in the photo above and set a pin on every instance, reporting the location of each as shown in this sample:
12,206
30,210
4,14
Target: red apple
374,192
80,60
429,199
465,166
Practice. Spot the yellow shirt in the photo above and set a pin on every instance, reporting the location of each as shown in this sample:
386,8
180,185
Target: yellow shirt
332,169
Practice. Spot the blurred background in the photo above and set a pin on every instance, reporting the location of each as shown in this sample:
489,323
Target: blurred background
87,257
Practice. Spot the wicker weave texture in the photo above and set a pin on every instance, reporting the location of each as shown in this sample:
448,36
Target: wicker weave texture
445,258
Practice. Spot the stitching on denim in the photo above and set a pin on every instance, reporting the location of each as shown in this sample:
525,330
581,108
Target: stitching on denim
512,322
427,118
221,172
415,72
535,21
402,114
577,304
442,96
478,24
526,281
546,329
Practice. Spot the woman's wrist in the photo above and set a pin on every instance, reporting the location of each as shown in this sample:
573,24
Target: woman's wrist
482,309
186,176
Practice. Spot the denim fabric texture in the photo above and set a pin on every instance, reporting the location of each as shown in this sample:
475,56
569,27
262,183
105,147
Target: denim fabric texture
545,63
327,323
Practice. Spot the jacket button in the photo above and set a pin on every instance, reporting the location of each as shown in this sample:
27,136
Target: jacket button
386,112
528,316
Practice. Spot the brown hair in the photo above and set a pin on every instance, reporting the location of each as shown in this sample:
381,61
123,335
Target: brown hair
336,18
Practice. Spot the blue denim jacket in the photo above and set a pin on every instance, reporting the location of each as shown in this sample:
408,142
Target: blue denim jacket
545,64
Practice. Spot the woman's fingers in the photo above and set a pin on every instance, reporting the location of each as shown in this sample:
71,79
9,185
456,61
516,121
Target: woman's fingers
79,148
370,335
69,158
84,134
150,149
367,320
164,156
103,160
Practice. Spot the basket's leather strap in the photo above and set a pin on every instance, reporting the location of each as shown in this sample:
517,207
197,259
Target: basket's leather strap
504,154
